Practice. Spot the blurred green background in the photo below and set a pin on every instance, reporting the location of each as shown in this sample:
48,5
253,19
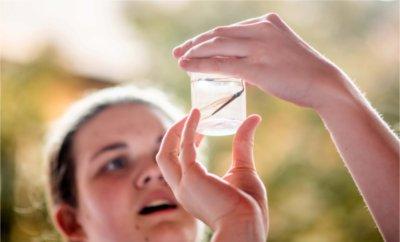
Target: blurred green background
311,195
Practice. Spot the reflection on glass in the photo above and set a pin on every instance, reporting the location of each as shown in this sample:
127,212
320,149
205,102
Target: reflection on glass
221,101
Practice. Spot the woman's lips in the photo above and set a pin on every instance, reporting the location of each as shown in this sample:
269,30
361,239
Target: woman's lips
157,202
157,210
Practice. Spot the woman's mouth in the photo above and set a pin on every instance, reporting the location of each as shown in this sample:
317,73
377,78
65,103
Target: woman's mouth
156,206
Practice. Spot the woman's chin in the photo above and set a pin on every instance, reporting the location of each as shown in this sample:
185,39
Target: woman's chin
172,231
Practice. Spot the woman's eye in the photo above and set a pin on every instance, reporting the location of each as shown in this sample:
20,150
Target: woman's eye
115,164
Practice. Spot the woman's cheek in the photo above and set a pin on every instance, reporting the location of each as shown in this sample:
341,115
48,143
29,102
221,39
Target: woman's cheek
109,201
113,193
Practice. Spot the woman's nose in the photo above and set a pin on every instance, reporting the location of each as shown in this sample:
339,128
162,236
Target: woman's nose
149,177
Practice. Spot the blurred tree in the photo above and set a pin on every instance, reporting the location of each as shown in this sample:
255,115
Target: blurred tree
32,96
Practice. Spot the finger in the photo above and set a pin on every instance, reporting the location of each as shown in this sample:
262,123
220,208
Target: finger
172,137
167,157
243,143
231,66
274,18
188,151
278,22
198,139
251,20
232,31
222,46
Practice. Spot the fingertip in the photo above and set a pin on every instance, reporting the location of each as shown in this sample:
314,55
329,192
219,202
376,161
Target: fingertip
183,62
257,118
196,111
249,125
254,119
196,114
176,52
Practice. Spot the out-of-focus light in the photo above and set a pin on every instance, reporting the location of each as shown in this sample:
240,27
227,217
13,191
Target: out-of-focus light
91,37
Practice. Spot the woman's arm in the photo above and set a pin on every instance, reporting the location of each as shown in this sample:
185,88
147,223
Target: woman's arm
370,151
267,53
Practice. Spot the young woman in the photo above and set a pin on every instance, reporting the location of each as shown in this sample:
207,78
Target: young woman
105,184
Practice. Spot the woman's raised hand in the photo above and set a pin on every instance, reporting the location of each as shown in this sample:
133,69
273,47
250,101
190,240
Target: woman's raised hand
234,206
265,52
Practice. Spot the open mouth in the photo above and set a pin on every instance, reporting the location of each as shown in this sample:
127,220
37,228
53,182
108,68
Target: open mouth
157,206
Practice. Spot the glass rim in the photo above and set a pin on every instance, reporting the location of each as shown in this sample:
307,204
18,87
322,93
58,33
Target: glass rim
194,76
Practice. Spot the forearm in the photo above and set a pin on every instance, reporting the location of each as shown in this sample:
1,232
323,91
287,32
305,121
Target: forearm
370,151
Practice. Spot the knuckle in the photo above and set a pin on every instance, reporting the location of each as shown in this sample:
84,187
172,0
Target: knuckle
243,169
272,17
188,43
171,156
217,40
248,206
159,156
192,42
165,156
219,30
191,52
266,25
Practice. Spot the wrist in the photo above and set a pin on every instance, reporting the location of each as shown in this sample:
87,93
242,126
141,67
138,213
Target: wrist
245,225
340,94
246,229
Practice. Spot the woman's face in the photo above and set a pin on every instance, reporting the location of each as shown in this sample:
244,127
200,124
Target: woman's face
121,194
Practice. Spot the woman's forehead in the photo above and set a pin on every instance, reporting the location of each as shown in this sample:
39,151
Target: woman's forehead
129,115
123,121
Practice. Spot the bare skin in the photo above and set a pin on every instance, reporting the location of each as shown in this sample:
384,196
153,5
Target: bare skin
234,206
113,184
265,52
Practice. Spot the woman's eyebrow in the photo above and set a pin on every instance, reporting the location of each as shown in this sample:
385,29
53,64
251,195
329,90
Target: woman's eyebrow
109,147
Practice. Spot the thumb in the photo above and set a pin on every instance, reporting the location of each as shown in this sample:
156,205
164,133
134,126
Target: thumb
243,143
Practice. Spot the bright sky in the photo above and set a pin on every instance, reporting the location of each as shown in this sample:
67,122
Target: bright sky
91,37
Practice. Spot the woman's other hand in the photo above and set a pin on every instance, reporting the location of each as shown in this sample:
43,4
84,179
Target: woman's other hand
234,206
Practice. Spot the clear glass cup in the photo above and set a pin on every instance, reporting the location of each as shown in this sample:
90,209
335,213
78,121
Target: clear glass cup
221,101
